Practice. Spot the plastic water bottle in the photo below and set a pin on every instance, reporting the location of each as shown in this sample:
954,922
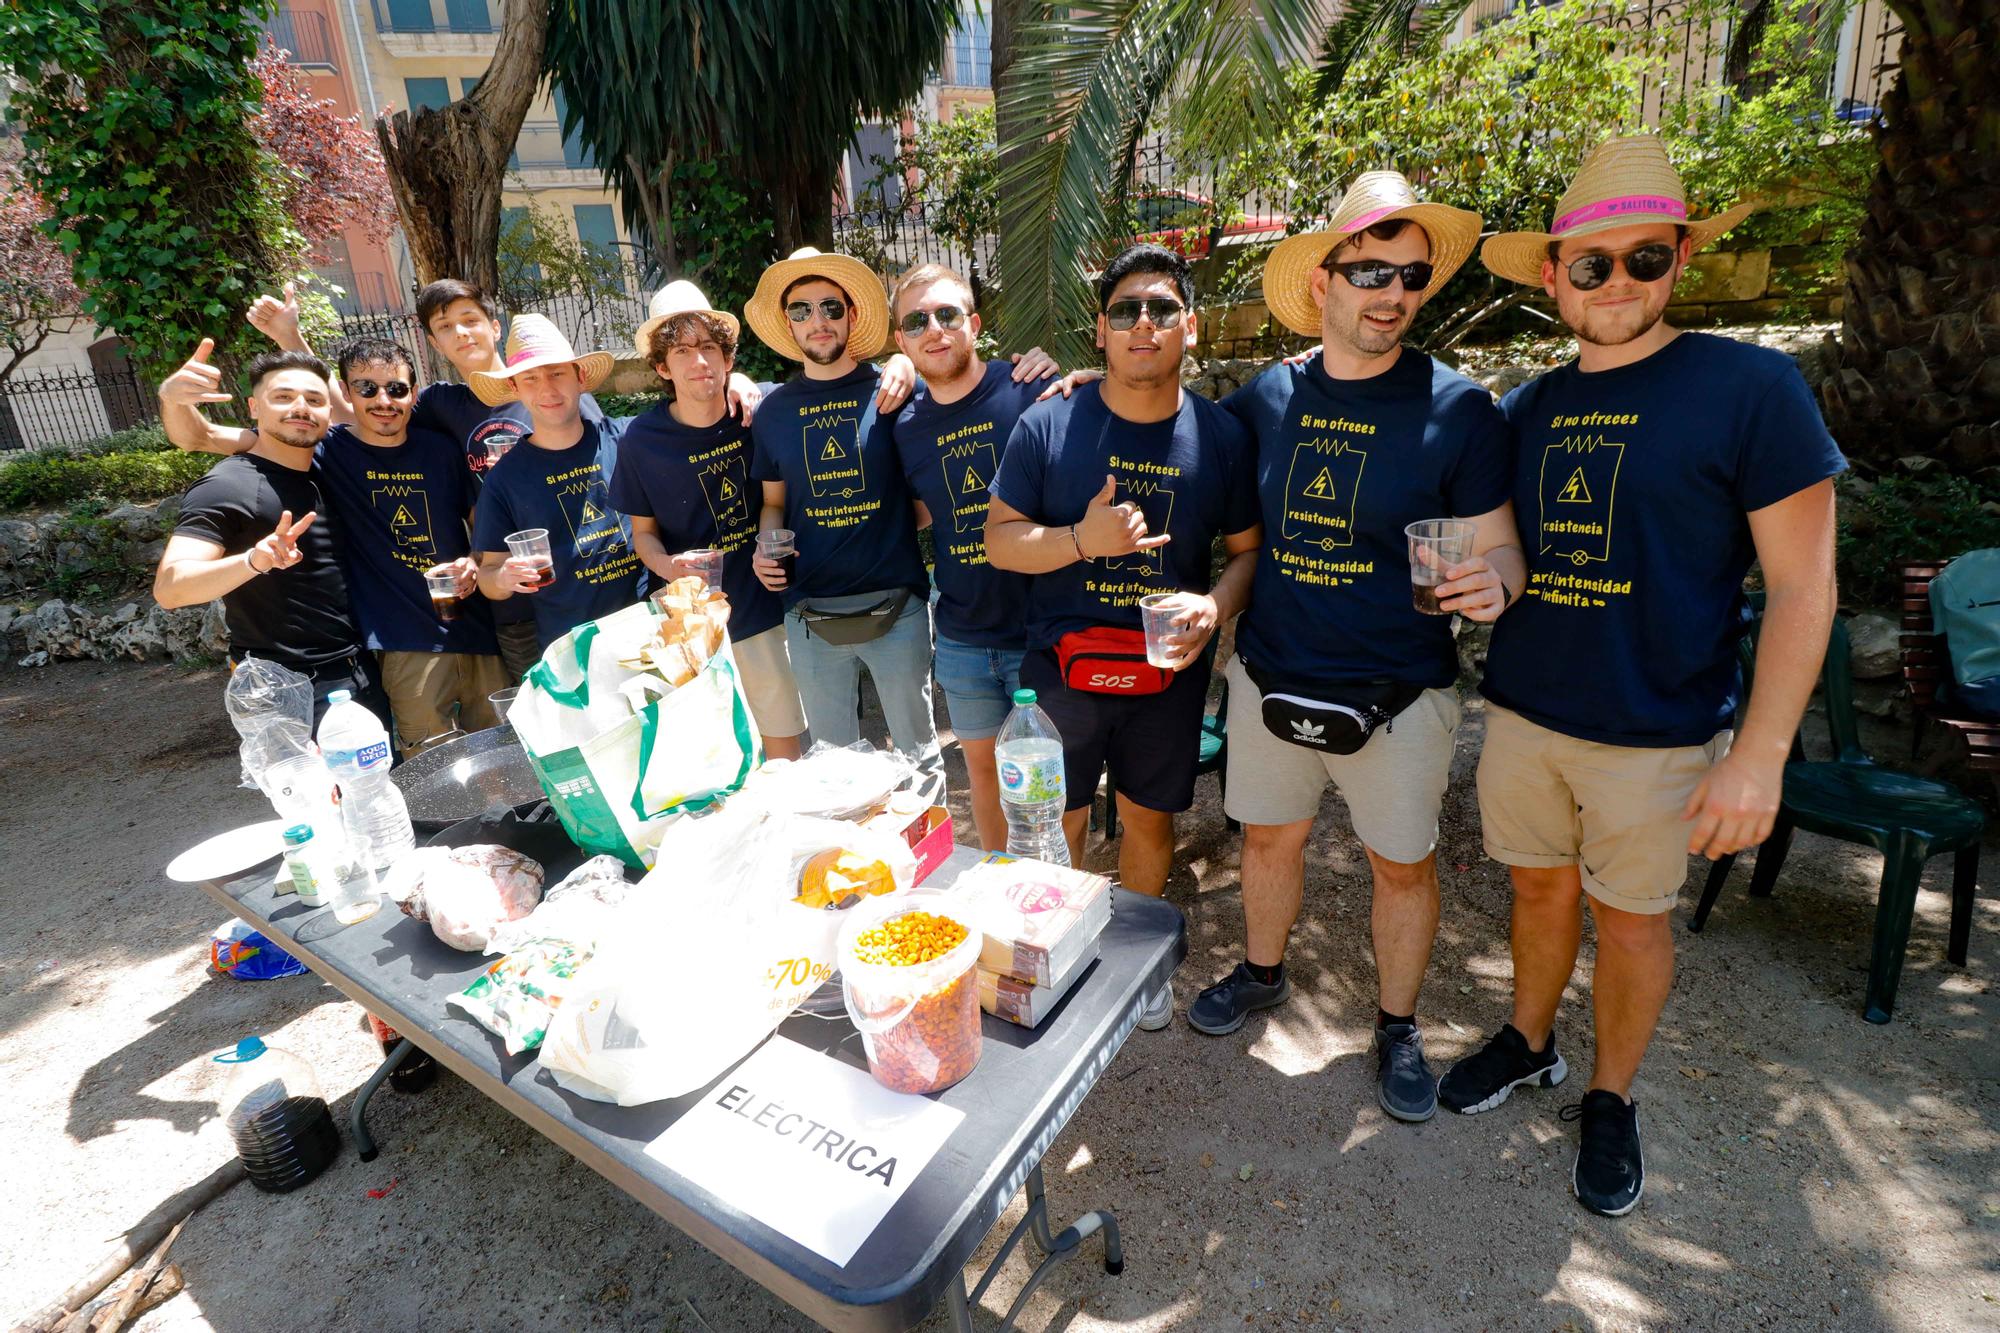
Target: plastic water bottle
357,751
1029,751
283,1130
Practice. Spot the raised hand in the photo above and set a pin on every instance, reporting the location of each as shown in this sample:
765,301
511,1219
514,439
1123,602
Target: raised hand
281,549
196,382
1069,383
744,395
275,319
1109,529
899,377
1034,364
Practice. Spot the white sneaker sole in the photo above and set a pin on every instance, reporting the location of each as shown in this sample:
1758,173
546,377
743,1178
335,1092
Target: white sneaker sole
1547,1078
1611,1212
1158,1020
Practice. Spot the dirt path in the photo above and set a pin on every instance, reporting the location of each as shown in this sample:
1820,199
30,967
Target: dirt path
1807,1170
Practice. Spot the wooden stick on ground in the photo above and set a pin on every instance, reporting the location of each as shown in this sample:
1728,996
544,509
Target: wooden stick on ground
121,1309
141,1239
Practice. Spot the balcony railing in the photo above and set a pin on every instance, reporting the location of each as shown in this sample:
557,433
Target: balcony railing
305,34
432,16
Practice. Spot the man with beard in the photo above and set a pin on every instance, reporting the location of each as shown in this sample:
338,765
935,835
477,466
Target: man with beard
1367,438
1116,493
254,533
826,460
1652,471
949,439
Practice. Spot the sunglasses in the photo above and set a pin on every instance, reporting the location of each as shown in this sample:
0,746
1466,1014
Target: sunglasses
1648,263
832,309
1163,311
1371,275
948,318
396,389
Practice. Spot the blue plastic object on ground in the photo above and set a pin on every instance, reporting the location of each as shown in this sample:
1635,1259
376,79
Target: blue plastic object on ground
238,951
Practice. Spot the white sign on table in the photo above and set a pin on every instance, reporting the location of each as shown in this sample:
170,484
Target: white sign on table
806,1145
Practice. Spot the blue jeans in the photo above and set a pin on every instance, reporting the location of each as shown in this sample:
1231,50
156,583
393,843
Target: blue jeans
829,676
978,685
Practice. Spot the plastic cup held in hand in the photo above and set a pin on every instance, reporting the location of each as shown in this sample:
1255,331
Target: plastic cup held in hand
444,595
496,450
1156,616
781,545
706,562
1436,544
532,545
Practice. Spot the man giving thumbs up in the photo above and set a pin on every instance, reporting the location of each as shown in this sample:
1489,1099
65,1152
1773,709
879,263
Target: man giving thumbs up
1117,493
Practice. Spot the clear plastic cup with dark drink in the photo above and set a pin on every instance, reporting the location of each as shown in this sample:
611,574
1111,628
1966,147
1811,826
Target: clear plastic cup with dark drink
782,546
532,546
1436,544
444,595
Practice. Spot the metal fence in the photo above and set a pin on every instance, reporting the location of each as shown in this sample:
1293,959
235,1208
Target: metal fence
42,408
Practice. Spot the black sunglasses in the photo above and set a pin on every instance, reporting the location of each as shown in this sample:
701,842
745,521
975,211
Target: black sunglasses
833,308
1163,311
948,317
396,389
1648,263
1374,274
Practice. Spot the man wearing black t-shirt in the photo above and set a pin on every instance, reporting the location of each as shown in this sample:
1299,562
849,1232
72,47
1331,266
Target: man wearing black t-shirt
254,533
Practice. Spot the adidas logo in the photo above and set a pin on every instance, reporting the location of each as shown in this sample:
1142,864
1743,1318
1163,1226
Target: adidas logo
1306,730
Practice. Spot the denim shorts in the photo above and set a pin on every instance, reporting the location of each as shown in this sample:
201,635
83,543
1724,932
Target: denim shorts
978,685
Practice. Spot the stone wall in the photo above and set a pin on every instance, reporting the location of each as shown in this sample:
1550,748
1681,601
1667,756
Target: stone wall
106,556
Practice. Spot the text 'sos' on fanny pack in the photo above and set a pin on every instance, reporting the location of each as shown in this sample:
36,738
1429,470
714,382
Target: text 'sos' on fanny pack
847,628
1336,719
1104,660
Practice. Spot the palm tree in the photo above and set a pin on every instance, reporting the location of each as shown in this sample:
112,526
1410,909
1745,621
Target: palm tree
1916,369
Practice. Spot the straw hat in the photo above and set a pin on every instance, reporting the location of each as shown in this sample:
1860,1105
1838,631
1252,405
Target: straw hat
680,297
869,333
535,341
1622,182
1374,196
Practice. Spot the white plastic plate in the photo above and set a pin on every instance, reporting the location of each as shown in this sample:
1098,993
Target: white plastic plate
231,853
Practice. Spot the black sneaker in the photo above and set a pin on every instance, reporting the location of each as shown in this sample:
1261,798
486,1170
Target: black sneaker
1610,1171
1407,1088
1221,1008
1484,1079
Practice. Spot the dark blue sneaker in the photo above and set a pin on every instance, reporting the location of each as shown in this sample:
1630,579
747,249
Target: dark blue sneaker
1221,1008
1406,1088
1610,1171
1487,1077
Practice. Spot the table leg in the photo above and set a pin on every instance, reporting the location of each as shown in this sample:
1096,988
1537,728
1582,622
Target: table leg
363,1142
1055,1249
961,1309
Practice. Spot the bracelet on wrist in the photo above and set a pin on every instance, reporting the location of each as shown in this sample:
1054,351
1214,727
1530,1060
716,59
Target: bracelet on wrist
250,559
1077,542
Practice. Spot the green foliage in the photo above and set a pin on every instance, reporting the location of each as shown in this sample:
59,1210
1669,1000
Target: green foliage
1927,515
724,237
135,126
955,166
626,404
135,464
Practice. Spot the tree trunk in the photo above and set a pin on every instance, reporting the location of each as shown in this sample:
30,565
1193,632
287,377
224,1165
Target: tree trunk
1916,369
446,166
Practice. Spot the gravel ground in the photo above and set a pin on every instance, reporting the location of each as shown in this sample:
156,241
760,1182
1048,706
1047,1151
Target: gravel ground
1806,1170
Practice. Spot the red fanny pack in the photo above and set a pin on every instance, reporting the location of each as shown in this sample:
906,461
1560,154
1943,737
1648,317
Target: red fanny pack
1103,660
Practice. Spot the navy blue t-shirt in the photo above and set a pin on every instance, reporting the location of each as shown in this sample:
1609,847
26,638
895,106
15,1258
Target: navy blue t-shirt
1190,475
695,483
1343,466
402,510
567,491
845,495
951,452
455,410
1632,488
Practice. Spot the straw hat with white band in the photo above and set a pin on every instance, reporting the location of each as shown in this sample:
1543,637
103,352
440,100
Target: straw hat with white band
1374,196
869,304
1622,183
534,341
679,297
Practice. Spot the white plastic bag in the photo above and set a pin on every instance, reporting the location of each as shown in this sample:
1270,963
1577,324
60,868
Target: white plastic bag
271,707
710,955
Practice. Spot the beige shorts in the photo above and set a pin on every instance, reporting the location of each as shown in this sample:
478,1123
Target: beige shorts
1394,785
766,667
426,689
1614,811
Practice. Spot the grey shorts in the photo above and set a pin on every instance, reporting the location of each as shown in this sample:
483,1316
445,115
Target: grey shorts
1394,785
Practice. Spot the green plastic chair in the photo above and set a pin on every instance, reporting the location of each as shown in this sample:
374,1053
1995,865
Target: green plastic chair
1850,797
1214,758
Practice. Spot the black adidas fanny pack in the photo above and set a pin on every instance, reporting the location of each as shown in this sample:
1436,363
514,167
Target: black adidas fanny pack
1335,719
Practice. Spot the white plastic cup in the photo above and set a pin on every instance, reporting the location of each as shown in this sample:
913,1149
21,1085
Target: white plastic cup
1156,616
1436,544
706,562
532,545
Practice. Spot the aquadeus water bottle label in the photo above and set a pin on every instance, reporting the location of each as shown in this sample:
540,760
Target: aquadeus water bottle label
1032,779
372,756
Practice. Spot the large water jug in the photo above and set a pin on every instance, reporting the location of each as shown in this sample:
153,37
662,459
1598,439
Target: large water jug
1029,753
283,1130
356,748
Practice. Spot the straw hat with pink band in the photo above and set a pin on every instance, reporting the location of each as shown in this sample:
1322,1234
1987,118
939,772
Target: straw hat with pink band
1374,196
532,342
1622,183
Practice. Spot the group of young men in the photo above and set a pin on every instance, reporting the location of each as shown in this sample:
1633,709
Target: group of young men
1614,507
